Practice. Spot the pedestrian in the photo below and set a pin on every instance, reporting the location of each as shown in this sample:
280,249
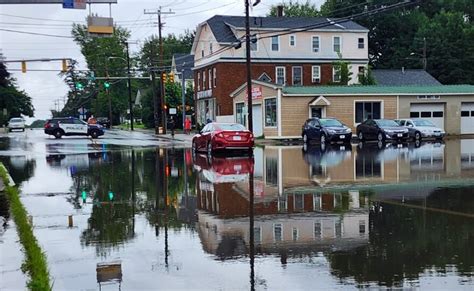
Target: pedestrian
92,120
171,125
187,125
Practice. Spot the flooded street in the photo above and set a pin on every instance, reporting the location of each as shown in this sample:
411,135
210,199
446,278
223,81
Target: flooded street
286,218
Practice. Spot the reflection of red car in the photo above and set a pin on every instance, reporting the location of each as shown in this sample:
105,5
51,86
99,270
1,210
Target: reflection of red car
221,136
224,169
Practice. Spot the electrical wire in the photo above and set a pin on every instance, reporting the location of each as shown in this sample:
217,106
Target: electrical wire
35,33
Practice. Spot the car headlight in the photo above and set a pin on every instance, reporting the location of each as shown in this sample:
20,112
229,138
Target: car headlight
348,130
405,130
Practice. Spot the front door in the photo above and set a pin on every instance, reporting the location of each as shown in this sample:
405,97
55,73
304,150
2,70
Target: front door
257,120
316,112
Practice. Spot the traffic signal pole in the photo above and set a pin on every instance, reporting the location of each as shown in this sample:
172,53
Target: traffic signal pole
249,76
130,106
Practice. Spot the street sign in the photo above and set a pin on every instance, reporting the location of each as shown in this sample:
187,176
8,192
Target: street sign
172,110
74,4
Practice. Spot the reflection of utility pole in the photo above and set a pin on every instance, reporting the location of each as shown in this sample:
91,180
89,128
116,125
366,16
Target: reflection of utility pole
130,106
158,12
251,231
108,95
249,71
183,96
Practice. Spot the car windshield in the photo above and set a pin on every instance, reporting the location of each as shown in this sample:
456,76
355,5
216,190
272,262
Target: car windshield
422,122
330,122
16,120
230,126
387,123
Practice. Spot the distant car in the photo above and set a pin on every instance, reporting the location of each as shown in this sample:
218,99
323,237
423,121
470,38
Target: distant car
16,123
419,128
325,130
104,121
71,126
223,136
381,130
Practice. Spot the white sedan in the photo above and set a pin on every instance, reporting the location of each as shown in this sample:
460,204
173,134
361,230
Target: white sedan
16,123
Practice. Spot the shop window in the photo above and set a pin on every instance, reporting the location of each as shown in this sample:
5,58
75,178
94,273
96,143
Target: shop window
239,113
270,112
367,110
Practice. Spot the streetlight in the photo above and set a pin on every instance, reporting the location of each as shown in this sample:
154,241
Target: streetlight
129,85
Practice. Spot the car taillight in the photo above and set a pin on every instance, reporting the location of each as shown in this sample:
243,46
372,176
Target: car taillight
220,135
47,125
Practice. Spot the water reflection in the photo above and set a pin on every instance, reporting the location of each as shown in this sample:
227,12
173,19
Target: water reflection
370,214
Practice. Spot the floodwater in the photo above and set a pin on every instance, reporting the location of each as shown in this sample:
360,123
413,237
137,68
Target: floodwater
288,218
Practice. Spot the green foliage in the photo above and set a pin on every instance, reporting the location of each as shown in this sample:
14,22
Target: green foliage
35,260
15,101
367,78
344,67
38,123
296,9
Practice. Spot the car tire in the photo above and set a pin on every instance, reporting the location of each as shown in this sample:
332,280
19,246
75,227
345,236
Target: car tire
305,138
323,139
58,133
417,135
194,147
209,149
360,135
380,137
94,134
250,152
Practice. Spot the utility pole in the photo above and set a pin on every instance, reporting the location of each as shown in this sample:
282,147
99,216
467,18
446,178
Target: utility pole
183,96
425,61
158,12
108,96
248,62
130,106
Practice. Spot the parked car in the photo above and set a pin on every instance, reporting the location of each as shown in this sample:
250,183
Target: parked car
223,136
16,123
104,121
419,128
72,126
381,130
325,130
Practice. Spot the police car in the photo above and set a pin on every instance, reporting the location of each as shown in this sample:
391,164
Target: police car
71,126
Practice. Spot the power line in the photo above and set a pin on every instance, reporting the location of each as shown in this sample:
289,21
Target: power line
35,33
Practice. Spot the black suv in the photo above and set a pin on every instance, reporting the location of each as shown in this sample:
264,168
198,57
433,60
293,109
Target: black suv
325,130
71,126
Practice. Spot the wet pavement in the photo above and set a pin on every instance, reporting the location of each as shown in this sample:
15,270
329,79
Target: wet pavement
131,215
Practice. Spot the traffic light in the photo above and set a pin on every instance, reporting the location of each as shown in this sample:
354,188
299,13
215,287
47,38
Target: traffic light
107,85
23,67
171,77
79,86
64,69
84,196
111,195
163,77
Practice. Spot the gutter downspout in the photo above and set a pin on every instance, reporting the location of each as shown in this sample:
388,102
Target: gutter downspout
279,111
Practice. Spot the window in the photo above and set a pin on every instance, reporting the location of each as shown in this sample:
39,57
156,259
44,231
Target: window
367,167
280,75
204,80
315,44
336,44
215,77
239,113
336,74
317,202
367,110
210,47
210,78
297,76
282,204
360,43
202,53
318,229
464,113
253,43
271,171
292,40
361,70
257,234
361,226
270,112
275,43
316,74
437,113
298,201
414,114
199,81
278,232
338,228
295,234
426,114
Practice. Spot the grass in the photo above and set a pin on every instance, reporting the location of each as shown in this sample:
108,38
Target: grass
126,126
35,260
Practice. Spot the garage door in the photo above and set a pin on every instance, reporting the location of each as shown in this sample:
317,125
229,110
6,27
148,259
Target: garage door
432,111
467,118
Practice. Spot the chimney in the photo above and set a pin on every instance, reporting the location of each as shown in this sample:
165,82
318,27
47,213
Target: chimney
403,70
280,11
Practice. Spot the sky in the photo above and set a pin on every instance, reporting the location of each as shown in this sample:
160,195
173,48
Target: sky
46,88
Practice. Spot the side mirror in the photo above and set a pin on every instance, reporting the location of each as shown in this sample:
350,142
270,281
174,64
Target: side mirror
410,125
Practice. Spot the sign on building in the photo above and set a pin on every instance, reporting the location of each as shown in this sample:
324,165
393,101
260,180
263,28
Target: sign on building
256,93
74,4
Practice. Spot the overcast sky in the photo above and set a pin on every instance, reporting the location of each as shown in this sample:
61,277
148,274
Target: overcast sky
46,87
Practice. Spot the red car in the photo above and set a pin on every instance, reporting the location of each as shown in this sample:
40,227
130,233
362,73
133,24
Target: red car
223,136
224,169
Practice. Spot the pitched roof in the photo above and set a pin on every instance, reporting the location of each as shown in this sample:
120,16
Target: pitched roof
184,62
404,77
221,24
389,90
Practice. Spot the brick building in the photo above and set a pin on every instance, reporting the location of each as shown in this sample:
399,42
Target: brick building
281,54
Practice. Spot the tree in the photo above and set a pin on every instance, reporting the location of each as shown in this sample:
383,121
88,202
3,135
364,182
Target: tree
366,78
15,101
295,9
344,69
